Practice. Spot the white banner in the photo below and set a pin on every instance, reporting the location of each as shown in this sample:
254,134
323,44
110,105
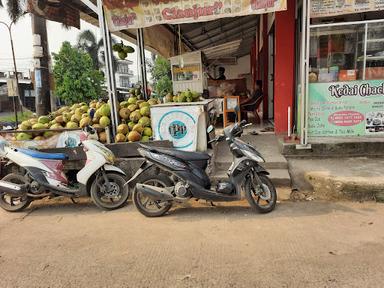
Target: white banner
327,8
144,13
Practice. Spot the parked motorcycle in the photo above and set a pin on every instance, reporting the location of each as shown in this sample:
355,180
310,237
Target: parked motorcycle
154,194
42,174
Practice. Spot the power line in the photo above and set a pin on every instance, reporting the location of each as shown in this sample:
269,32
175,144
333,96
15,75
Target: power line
5,58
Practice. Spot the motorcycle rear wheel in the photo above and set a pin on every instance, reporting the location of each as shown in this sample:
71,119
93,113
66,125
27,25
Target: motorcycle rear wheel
256,200
113,199
11,203
144,203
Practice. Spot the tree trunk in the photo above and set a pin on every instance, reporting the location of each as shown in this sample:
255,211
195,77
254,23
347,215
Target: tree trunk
42,81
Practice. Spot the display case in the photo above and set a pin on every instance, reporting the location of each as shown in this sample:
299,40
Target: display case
347,53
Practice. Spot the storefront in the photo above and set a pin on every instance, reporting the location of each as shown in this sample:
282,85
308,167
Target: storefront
144,14
344,71
275,61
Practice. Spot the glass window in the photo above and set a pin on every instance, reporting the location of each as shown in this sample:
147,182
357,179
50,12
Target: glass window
337,53
123,68
375,51
29,93
124,81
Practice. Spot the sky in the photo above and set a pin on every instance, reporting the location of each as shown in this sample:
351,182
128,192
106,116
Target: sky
22,38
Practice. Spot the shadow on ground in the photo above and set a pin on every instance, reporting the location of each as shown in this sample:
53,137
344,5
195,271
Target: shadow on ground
194,211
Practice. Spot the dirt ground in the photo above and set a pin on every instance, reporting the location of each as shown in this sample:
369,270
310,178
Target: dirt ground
303,244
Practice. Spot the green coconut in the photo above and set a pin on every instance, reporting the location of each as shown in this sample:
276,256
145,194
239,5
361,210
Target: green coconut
147,131
131,125
144,104
145,139
85,122
145,121
135,116
56,126
105,110
38,126
139,128
104,121
124,113
23,137
122,55
134,136
48,134
123,129
120,137
124,104
154,101
132,107
132,100
43,119
71,125
145,111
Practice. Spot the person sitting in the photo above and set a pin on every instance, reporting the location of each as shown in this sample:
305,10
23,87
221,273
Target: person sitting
252,102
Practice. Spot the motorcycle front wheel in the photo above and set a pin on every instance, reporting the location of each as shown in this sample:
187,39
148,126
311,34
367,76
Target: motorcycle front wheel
261,197
148,206
112,197
14,203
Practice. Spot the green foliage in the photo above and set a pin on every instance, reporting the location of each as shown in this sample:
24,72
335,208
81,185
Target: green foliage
15,9
161,74
10,117
76,79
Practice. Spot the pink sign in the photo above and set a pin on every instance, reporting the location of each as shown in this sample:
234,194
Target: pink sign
346,118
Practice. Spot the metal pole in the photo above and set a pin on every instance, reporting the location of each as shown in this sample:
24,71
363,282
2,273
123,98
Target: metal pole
108,70
365,49
9,27
115,100
140,40
346,23
302,72
308,29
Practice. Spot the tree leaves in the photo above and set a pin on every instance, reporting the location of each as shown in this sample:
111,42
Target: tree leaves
161,70
15,9
76,78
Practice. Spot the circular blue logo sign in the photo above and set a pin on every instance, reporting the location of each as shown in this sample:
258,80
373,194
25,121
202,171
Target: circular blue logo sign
177,129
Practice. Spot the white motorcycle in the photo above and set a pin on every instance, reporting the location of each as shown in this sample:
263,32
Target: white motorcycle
42,174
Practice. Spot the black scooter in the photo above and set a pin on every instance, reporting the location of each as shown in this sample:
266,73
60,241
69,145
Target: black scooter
179,176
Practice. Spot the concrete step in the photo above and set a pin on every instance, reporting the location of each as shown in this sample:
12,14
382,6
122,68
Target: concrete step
221,165
327,147
279,177
351,178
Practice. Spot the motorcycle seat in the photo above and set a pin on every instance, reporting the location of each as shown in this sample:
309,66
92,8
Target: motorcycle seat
43,155
185,155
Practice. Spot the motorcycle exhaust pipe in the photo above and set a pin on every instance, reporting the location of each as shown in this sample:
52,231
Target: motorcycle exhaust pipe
155,193
12,189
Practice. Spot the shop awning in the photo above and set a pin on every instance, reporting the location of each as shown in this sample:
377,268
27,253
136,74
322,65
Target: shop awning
222,54
195,36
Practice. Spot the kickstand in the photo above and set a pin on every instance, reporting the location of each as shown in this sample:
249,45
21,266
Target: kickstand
213,205
73,201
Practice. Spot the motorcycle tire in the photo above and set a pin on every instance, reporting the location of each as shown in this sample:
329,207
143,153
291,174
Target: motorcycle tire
159,180
254,200
104,201
11,203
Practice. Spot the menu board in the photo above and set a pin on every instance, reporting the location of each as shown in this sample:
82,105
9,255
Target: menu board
353,108
326,8
144,13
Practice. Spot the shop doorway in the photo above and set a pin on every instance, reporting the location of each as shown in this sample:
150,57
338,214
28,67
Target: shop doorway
271,73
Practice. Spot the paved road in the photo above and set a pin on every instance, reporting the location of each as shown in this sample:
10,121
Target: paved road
311,244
